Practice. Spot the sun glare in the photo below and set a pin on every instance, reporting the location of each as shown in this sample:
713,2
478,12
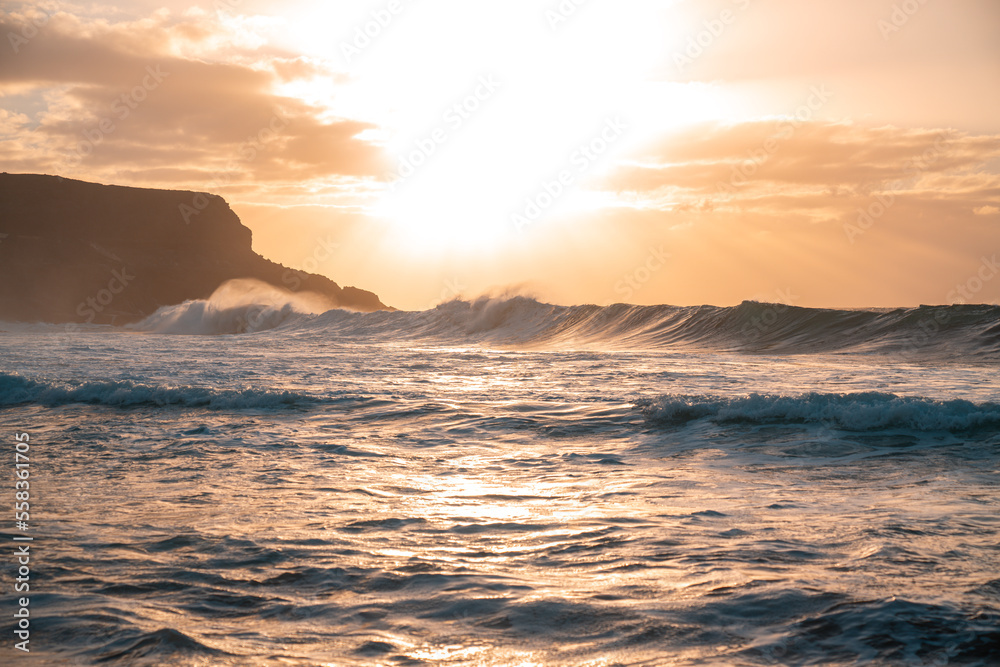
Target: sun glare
498,117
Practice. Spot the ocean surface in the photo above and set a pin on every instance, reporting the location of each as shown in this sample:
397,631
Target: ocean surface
505,482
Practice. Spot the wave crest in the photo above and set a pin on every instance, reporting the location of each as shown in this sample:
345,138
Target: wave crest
943,331
16,390
236,307
851,412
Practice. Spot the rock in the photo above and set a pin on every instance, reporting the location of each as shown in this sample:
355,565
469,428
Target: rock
72,251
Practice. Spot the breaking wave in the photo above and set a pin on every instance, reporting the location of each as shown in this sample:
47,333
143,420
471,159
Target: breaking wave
968,331
869,411
236,307
16,390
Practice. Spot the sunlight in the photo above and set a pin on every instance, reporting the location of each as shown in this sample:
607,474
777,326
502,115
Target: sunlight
476,141
501,334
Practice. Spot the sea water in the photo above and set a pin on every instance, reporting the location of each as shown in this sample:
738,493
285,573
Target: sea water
504,482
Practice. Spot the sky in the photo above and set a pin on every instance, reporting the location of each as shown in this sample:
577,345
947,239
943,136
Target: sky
824,154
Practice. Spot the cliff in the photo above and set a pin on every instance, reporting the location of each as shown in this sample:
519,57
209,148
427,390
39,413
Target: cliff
72,251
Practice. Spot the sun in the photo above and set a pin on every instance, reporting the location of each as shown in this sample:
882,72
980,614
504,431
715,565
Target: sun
490,115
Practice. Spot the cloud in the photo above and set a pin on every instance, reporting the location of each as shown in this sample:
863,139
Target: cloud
151,99
780,166
792,39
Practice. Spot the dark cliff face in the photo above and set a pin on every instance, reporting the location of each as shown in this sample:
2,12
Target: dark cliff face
72,251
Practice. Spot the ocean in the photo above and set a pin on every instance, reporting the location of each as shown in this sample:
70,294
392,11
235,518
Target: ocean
505,482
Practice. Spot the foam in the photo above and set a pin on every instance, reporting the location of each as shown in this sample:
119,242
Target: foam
17,390
852,412
236,307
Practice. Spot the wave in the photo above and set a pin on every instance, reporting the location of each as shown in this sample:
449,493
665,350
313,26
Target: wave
948,331
165,645
18,390
247,306
236,307
870,411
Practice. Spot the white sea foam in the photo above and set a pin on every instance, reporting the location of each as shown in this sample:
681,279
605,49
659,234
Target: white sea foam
851,412
236,307
16,390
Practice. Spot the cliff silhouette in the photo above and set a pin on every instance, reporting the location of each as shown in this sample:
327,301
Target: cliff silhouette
72,251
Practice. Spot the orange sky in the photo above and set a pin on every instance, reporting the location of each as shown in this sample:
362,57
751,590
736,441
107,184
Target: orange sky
821,153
